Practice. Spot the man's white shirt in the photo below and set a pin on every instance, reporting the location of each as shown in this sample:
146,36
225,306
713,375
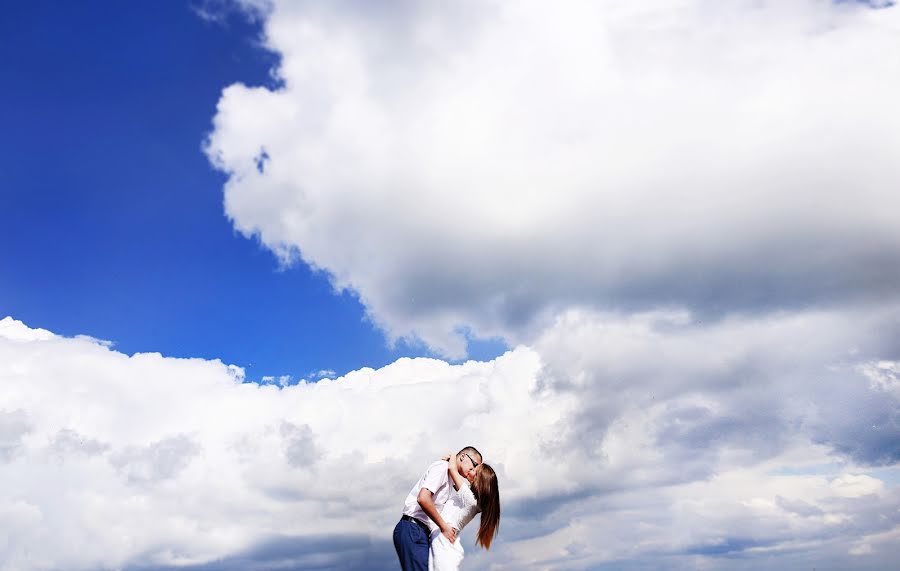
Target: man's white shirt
435,479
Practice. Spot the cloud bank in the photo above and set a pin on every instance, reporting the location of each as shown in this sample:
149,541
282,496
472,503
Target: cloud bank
681,216
475,169
645,441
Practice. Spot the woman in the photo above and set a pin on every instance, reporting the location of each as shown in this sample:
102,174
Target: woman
483,497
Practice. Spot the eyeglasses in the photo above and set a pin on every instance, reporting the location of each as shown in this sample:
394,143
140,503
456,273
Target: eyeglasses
474,463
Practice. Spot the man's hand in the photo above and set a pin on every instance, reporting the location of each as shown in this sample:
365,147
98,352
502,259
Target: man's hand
426,502
449,533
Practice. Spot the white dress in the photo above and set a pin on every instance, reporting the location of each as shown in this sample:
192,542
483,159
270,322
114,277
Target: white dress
457,512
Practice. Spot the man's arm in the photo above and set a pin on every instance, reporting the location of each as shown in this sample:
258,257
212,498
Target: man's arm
426,502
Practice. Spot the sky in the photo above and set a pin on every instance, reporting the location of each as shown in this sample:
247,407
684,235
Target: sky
114,220
262,261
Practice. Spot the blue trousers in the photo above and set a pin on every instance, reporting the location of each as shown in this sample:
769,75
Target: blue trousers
411,543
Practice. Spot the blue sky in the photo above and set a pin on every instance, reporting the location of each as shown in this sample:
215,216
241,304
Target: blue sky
114,225
651,252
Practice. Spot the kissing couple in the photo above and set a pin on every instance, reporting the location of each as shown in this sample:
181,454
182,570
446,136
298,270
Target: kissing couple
439,506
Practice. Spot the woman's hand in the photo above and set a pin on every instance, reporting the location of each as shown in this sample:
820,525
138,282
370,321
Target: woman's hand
453,462
446,457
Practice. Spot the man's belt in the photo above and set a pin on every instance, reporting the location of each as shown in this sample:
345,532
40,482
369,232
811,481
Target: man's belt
419,523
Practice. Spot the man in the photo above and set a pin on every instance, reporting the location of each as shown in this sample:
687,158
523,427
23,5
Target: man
421,512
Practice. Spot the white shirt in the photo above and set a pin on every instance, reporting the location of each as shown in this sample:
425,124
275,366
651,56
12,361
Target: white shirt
460,508
458,511
437,480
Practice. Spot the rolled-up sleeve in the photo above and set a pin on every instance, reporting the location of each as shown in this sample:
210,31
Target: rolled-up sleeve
435,476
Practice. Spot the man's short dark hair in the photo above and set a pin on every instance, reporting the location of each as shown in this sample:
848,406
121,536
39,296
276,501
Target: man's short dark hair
471,450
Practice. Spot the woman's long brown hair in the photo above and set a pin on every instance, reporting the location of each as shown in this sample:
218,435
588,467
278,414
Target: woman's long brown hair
488,494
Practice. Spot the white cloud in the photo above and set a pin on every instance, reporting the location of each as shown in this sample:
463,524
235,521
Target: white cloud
884,375
683,213
16,330
678,443
14,426
482,166
218,11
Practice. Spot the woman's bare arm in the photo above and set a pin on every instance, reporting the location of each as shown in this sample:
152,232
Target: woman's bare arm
453,470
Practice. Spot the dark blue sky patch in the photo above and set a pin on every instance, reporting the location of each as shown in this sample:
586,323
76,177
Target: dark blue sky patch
875,4
311,553
113,222
730,547
868,432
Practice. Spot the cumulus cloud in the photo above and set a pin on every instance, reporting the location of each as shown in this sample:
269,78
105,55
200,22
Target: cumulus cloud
156,461
681,215
13,426
473,169
67,442
639,441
